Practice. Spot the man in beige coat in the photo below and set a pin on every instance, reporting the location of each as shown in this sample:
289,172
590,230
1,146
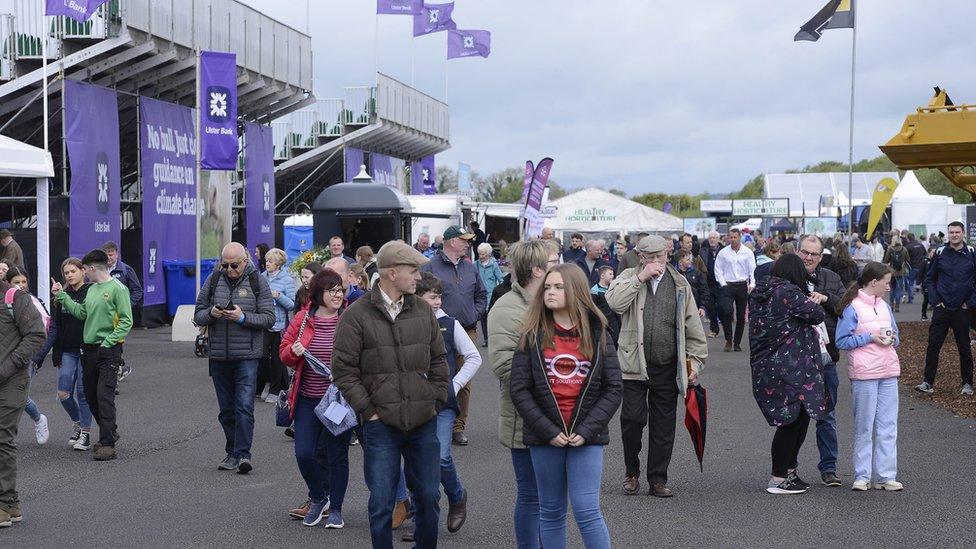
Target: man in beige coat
530,260
660,332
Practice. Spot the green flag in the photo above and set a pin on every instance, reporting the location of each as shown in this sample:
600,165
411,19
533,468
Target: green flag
837,14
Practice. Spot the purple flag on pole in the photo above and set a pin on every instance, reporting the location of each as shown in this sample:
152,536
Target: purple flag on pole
218,114
354,158
529,173
79,10
399,7
91,116
539,181
167,154
429,175
468,43
433,18
259,185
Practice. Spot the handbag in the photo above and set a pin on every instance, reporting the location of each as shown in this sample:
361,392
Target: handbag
282,408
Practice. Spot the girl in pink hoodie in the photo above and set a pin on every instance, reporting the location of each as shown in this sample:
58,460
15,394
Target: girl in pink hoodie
868,331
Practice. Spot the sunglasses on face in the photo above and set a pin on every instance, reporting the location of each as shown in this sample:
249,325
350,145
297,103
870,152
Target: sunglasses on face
230,265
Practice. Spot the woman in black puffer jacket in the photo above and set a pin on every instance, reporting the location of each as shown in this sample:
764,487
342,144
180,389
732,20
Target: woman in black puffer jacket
566,386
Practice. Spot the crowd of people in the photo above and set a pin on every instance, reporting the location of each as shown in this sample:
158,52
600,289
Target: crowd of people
380,350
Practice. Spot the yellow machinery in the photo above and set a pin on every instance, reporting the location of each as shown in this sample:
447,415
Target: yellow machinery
942,136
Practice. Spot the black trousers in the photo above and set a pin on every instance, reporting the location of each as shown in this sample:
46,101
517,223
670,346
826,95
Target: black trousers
100,370
942,320
787,443
271,370
652,403
736,295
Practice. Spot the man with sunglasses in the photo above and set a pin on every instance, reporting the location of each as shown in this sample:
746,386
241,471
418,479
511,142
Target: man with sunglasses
236,306
826,289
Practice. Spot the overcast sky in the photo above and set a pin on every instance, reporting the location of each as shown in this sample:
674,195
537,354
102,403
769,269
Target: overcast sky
655,96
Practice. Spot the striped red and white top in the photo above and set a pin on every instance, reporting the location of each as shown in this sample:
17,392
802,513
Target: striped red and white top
314,385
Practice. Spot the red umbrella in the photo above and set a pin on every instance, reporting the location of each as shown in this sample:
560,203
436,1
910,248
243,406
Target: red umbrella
696,414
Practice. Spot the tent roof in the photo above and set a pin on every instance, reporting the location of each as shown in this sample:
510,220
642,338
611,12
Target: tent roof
593,209
22,160
909,187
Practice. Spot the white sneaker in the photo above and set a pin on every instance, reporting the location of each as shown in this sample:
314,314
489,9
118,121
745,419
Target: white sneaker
967,390
860,486
888,486
264,393
40,429
271,399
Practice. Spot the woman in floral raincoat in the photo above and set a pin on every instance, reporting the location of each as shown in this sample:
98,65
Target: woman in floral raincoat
787,369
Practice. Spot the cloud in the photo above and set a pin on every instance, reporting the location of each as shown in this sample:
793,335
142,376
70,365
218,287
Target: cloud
654,96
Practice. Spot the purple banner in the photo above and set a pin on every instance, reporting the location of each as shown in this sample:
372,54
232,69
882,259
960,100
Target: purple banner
399,7
91,117
167,154
527,184
354,159
218,117
259,185
468,43
416,178
429,174
539,181
79,10
433,18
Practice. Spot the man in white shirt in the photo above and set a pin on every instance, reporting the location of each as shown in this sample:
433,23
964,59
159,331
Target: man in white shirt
734,268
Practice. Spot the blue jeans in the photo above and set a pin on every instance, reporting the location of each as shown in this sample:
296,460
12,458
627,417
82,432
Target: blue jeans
576,472
910,284
875,429
70,382
897,289
449,477
234,384
827,428
526,501
323,458
383,446
31,408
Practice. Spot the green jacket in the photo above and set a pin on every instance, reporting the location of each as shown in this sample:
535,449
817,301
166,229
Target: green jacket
107,312
627,296
504,330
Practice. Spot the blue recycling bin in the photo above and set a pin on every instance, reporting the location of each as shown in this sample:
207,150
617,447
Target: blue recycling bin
180,279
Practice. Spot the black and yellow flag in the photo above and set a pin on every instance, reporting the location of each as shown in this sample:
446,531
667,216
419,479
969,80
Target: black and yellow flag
837,14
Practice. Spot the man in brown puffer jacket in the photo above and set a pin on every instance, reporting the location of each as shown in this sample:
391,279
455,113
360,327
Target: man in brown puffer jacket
21,334
390,364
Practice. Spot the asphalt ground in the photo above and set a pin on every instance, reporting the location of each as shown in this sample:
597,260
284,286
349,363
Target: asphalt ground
165,490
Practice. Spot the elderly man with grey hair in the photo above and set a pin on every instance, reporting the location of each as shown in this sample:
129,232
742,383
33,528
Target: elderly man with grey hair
662,349
423,246
709,251
236,306
592,261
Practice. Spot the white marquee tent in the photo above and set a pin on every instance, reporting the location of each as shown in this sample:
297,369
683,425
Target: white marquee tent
22,160
912,207
596,210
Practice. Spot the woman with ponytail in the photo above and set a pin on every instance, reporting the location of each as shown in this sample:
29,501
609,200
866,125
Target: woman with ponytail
867,329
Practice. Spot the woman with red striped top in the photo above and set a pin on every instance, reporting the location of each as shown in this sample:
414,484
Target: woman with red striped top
323,458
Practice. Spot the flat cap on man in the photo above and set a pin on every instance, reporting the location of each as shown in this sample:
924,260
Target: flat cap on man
652,244
396,253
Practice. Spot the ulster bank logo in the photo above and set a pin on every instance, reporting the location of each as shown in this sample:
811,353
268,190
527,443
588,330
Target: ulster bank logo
101,182
219,105
265,196
153,247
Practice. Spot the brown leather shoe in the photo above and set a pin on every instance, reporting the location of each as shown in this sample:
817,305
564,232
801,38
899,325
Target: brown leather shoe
631,486
15,514
300,512
457,513
728,346
400,513
104,453
659,490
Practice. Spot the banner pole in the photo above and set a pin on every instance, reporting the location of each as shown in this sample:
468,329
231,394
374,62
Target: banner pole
44,68
197,182
850,158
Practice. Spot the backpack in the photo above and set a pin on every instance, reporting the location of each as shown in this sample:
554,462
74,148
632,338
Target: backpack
897,261
8,300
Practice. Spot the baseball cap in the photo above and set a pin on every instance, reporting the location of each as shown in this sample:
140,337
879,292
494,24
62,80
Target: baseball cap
396,253
455,231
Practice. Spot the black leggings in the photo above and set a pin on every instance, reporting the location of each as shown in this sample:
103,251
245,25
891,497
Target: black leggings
271,370
787,442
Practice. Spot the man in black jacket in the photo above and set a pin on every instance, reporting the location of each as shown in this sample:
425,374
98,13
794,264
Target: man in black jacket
916,257
708,254
827,290
592,260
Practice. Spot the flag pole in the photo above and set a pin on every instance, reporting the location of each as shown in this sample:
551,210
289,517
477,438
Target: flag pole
44,68
197,190
850,158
